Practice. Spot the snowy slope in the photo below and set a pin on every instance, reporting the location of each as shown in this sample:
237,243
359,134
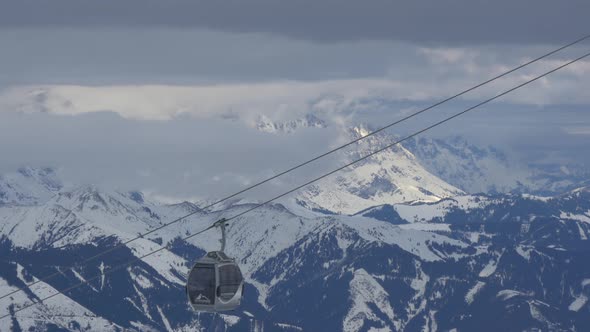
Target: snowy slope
28,186
368,295
60,312
424,212
86,213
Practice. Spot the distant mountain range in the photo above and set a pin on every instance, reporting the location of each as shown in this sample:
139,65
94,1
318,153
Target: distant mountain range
488,169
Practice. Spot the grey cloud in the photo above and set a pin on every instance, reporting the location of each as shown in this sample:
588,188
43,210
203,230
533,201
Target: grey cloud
114,56
180,56
451,21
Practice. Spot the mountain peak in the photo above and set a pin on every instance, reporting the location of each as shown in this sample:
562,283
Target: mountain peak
360,130
393,176
309,120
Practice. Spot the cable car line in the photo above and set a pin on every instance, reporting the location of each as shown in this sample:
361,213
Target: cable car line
141,235
33,303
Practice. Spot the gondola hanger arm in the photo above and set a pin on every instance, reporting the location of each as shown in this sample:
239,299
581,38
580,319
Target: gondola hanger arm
221,223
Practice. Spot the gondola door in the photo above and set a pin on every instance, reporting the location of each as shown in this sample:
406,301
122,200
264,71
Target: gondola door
202,286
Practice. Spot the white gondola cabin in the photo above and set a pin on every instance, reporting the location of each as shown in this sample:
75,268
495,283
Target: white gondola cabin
215,282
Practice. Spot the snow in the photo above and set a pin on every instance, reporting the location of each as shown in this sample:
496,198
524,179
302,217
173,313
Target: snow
472,293
473,236
26,227
419,212
490,268
258,236
140,280
28,186
262,291
134,304
536,313
144,302
418,302
288,326
384,329
524,252
163,261
343,243
554,247
102,275
422,212
585,282
410,240
578,303
230,320
507,294
429,227
579,217
537,198
142,327
59,310
365,290
81,216
431,325
40,289
583,235
165,320
79,276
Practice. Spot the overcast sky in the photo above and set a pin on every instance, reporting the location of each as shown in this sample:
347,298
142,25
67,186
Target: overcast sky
155,95
450,21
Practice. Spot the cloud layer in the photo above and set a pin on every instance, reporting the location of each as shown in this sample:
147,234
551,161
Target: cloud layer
452,21
186,158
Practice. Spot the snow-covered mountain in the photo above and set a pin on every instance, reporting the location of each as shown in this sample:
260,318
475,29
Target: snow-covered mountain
472,168
392,176
309,120
486,262
28,186
486,169
462,165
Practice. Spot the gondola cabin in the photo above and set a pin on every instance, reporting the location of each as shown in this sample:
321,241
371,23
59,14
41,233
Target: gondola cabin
215,283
